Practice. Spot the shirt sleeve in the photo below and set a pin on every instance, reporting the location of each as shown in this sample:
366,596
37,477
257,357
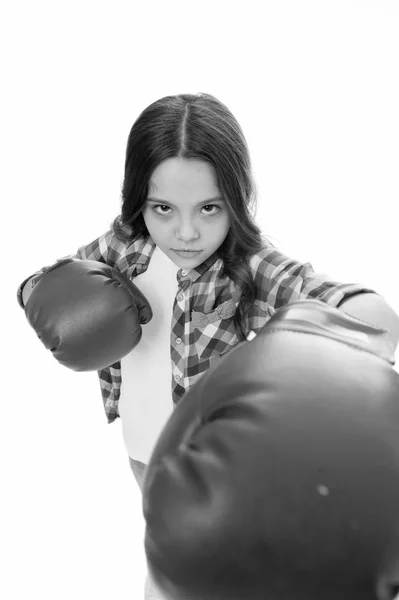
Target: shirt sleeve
97,250
280,280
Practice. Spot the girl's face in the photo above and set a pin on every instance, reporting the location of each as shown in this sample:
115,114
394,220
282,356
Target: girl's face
184,211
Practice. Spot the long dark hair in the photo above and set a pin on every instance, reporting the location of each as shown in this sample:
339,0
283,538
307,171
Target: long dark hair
196,126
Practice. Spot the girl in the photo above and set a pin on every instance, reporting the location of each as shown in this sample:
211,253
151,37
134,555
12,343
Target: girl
187,236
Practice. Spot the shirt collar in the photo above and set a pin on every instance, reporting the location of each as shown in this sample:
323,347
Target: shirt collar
196,272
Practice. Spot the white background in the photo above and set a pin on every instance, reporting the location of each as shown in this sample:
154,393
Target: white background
314,85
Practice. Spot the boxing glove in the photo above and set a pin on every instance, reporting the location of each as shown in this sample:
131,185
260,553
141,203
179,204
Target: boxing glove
277,475
87,313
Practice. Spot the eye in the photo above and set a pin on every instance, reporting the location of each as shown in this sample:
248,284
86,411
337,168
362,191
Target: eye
161,206
212,206
164,206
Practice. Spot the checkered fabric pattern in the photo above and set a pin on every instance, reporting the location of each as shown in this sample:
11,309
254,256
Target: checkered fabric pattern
202,322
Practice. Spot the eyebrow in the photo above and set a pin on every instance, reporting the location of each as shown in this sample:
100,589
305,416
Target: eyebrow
214,199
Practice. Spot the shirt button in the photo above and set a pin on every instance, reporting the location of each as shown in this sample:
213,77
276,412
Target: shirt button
178,340
180,297
177,377
184,272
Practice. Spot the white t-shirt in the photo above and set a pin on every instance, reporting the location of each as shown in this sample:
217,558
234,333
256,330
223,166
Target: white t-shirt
145,402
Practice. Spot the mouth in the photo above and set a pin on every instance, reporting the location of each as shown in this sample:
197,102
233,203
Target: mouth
186,252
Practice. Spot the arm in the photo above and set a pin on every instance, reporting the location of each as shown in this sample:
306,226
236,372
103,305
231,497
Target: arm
97,250
281,280
373,309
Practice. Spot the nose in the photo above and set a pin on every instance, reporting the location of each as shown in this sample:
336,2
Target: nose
187,230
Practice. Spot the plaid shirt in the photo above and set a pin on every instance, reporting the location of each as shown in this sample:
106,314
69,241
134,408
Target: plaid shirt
205,304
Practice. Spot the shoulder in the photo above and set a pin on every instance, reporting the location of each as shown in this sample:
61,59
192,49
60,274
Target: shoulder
269,261
112,249
281,278
129,254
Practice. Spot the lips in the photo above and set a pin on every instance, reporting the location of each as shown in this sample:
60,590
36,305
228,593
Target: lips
187,252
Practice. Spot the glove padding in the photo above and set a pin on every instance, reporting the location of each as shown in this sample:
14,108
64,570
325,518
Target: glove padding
277,475
87,313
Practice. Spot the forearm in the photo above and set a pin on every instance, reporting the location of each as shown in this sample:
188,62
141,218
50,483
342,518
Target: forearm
373,309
